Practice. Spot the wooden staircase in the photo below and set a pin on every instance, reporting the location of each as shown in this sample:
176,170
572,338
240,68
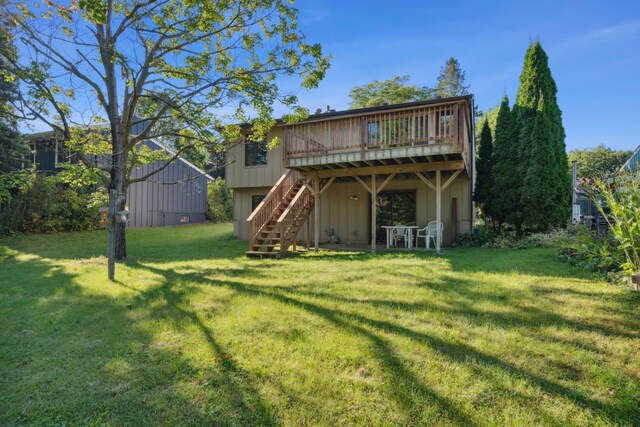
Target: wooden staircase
275,223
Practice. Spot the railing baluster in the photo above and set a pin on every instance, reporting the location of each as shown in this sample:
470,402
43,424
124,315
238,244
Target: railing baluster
443,123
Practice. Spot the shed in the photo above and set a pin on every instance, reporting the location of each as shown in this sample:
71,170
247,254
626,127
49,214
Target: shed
175,195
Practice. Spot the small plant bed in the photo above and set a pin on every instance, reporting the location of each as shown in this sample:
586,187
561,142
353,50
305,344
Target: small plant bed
194,333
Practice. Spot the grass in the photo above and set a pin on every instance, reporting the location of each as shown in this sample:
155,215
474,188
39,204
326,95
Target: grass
193,333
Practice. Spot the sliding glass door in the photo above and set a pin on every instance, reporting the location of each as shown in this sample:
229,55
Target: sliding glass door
394,208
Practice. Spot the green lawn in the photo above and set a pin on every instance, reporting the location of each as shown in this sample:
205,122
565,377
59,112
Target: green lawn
193,333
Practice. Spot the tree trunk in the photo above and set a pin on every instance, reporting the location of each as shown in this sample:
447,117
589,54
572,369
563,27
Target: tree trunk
117,249
117,198
121,242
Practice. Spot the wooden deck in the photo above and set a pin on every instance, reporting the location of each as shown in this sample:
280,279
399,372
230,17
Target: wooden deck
422,132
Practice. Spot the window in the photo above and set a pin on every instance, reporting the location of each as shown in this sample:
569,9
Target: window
373,132
185,218
34,152
255,201
61,153
255,153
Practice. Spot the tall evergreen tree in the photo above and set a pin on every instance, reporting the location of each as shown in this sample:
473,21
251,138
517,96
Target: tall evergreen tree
451,81
484,177
506,182
545,181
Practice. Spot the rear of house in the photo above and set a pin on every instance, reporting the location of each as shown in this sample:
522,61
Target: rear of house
349,173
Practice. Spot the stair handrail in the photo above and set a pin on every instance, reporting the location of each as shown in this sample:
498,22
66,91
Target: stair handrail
318,147
263,212
290,214
293,203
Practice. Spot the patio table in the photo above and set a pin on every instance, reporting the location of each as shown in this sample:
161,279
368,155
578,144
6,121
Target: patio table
400,228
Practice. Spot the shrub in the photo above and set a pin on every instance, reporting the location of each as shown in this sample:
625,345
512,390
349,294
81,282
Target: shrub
220,200
623,202
39,204
481,235
597,252
489,239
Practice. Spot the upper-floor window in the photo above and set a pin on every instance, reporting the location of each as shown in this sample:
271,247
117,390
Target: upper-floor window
34,152
255,153
62,155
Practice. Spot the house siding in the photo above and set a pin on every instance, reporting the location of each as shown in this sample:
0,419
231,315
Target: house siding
350,219
162,199
237,175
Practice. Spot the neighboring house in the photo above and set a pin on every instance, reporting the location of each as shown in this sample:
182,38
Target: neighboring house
346,174
632,164
585,207
175,195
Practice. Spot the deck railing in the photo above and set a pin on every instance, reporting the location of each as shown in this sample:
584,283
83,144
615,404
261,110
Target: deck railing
444,123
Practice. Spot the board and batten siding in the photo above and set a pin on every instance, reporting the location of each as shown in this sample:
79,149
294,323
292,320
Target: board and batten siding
175,193
350,219
237,175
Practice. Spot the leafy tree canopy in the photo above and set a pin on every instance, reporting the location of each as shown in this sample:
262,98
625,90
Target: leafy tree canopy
13,149
598,162
392,91
204,65
450,82
490,116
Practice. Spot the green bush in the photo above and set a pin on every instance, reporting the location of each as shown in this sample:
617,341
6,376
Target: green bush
623,203
592,251
220,200
480,237
487,238
39,204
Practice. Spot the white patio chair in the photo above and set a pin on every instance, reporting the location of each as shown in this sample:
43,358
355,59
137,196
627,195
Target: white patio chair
429,233
400,234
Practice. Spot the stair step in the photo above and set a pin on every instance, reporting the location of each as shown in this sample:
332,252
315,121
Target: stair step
270,235
260,254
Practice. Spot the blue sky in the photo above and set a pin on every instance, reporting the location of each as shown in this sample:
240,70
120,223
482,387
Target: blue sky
593,48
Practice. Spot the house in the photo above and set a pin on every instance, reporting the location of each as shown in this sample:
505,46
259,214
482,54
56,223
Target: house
175,195
343,175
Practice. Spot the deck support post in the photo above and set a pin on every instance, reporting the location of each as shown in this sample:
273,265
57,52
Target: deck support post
373,214
308,236
316,213
438,209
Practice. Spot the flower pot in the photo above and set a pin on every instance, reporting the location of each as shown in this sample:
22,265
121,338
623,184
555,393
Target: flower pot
635,279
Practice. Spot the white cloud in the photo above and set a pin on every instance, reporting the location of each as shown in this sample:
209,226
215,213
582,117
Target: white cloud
602,35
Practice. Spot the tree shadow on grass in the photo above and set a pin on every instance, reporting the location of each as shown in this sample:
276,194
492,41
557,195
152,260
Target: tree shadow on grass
399,375
539,262
404,382
70,354
179,243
